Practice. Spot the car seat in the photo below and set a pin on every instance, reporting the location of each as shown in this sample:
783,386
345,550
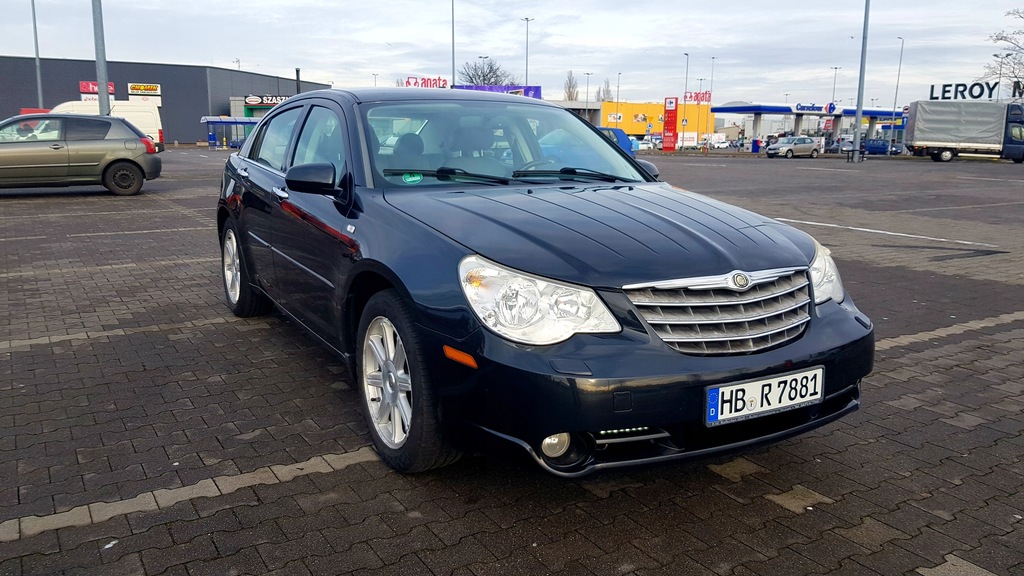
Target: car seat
471,144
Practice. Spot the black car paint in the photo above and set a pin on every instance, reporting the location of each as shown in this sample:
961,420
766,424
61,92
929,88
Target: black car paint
327,252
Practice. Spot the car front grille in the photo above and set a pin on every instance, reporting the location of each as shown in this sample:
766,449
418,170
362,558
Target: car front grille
711,316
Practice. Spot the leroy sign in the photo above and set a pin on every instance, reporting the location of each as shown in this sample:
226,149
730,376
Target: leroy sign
961,91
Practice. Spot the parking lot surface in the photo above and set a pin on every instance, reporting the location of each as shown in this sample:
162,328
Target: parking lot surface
145,430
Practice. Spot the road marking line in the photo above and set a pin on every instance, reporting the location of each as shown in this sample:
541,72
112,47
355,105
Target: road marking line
153,263
959,207
988,179
96,512
953,330
203,156
120,232
17,238
887,233
826,169
79,214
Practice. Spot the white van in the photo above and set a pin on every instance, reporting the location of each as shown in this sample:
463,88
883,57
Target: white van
144,115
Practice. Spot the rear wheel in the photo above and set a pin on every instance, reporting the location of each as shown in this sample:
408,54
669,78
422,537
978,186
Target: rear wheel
814,153
123,179
401,402
945,155
1018,160
241,297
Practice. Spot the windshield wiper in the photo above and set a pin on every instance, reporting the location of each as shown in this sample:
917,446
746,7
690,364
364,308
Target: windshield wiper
568,173
445,173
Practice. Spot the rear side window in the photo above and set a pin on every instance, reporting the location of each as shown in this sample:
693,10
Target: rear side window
77,129
272,143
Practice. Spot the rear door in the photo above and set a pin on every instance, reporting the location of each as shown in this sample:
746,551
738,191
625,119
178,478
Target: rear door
260,173
32,151
88,147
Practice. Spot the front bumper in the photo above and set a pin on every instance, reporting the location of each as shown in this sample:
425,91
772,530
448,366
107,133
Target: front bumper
629,399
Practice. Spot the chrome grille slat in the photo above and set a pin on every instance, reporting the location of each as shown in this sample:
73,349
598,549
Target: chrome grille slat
721,321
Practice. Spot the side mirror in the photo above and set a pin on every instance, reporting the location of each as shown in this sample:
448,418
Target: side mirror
649,167
317,178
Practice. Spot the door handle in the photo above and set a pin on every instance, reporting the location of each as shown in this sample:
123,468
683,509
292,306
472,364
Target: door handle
243,172
56,146
280,192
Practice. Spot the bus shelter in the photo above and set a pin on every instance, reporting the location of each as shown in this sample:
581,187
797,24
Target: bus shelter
223,132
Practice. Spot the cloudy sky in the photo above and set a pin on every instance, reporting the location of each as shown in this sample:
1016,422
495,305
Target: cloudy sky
761,50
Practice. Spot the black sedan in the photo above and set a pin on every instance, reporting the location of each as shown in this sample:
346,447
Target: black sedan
481,283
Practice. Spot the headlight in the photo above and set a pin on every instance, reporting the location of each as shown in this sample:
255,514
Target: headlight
825,276
530,309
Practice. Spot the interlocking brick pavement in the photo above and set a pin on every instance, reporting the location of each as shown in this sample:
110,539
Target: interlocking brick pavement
144,430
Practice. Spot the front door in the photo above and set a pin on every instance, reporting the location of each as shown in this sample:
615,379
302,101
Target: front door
33,151
311,257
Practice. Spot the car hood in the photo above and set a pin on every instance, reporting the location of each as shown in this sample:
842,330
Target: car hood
607,236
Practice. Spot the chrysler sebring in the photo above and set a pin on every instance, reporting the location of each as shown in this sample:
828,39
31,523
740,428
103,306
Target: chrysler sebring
482,281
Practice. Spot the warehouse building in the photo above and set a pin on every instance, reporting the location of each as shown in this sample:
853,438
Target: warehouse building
184,93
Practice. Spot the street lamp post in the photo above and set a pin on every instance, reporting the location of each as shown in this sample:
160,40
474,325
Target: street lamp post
711,94
896,95
39,72
999,94
586,107
618,82
453,44
375,79
700,90
526,81
686,80
785,121
835,75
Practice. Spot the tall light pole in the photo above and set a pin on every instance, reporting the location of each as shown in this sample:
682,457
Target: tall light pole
860,83
999,95
873,100
101,58
618,82
711,94
586,107
39,70
896,95
785,119
835,75
526,80
686,80
375,79
700,90
453,45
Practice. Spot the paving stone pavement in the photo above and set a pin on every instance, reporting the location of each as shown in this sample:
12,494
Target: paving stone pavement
144,430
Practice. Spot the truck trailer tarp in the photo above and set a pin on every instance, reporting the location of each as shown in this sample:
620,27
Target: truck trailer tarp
956,122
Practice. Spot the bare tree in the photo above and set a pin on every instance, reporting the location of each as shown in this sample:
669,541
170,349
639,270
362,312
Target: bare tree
606,95
486,72
572,88
1009,61
399,82
598,95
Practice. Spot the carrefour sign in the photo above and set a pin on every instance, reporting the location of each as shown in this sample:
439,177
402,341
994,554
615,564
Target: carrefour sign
824,108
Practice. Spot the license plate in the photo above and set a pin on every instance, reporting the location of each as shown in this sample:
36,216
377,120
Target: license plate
734,402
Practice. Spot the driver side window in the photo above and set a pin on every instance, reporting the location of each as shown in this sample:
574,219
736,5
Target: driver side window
272,145
321,140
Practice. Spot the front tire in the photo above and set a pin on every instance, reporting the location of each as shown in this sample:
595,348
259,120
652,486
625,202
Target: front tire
123,179
401,402
789,153
814,154
243,300
946,155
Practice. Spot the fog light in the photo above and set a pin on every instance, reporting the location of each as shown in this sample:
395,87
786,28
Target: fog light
555,445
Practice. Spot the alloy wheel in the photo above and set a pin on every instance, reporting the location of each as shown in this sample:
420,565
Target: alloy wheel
387,383
232,267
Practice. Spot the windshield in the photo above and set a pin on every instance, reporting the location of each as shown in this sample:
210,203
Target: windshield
437,142
787,140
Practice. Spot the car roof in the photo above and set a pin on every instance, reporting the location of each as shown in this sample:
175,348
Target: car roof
360,95
46,116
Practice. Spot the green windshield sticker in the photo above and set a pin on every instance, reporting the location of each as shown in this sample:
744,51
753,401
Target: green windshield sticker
412,177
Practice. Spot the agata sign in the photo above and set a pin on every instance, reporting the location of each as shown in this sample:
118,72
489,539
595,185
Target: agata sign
974,91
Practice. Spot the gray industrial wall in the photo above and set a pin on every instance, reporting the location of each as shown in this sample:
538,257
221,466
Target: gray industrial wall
188,92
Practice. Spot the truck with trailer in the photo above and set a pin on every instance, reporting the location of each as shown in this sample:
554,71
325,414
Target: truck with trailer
945,129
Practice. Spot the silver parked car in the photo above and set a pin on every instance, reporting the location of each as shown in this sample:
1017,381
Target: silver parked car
74,150
793,146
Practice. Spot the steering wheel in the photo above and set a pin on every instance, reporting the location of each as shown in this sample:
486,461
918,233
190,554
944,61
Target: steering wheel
538,162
